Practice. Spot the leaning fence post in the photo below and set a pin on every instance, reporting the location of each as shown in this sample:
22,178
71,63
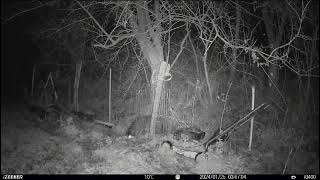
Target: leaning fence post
252,118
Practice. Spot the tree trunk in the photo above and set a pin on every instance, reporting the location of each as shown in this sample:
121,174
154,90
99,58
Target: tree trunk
274,75
151,46
204,59
76,86
275,32
75,44
234,51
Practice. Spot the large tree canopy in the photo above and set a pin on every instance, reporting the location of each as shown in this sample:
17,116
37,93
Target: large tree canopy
267,34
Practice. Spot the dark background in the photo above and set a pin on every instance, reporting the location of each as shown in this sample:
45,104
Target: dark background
18,53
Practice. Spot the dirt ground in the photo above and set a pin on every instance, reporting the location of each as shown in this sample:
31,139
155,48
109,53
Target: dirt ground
32,147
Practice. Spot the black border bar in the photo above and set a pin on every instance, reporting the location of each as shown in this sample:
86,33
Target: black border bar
165,177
